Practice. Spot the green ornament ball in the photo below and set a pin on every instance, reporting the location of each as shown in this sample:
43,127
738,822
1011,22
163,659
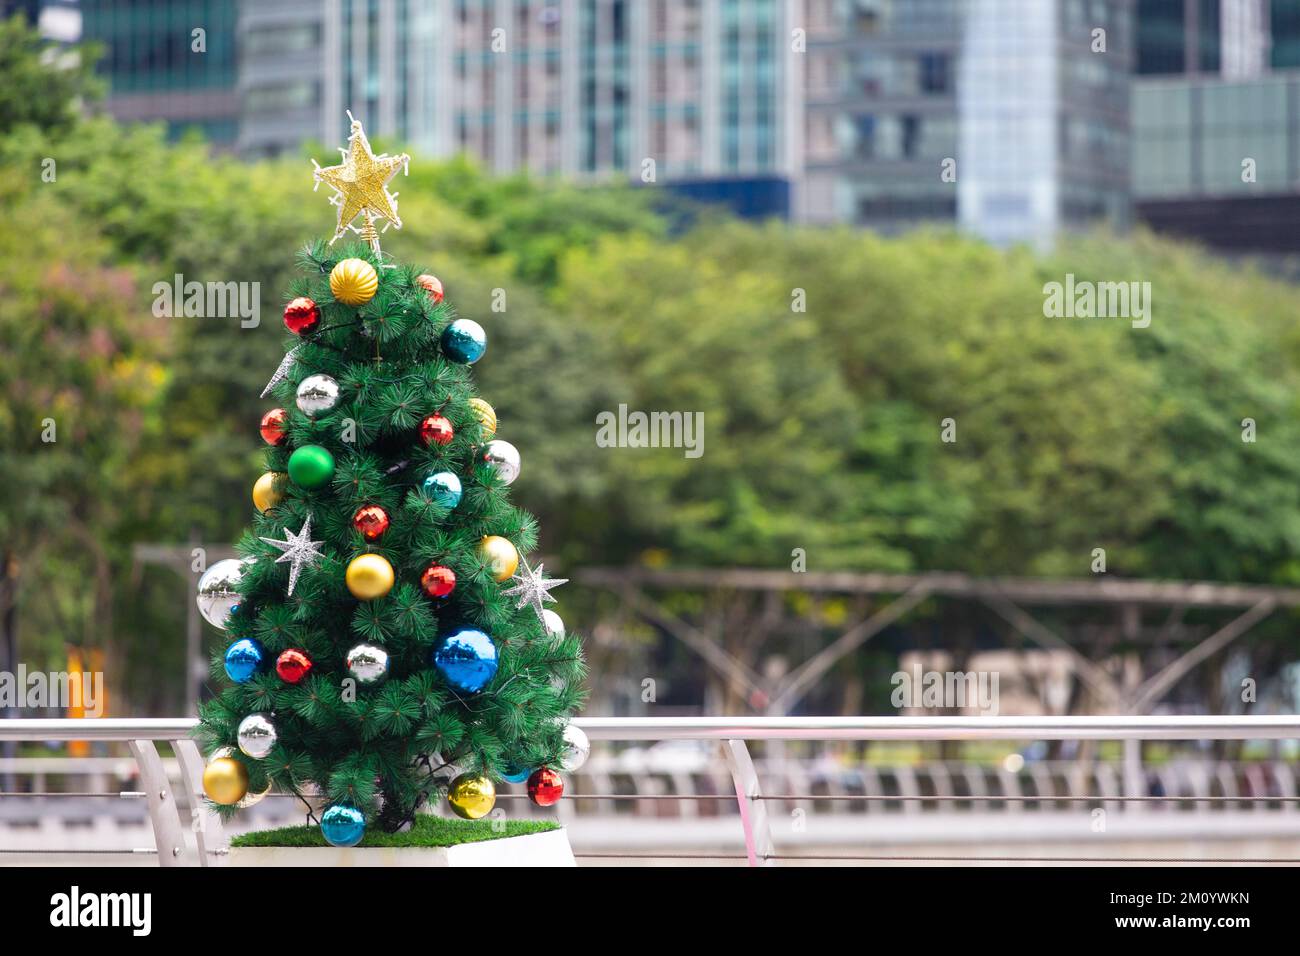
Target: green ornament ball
311,466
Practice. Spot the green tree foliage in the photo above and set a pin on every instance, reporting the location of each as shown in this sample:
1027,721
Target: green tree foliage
1216,349
43,84
341,742
530,226
80,372
823,428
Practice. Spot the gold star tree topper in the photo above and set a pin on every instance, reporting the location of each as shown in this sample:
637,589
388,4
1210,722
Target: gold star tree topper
360,185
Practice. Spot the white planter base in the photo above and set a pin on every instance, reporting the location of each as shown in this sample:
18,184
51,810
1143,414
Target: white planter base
534,849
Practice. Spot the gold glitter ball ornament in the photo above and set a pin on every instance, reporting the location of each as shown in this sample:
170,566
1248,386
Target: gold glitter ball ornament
369,576
472,797
499,555
485,413
269,490
225,781
354,282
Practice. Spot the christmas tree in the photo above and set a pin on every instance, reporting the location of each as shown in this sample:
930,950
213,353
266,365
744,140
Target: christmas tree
387,640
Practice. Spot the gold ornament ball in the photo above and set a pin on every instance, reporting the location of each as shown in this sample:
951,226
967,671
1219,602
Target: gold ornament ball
486,415
499,555
268,492
225,781
369,576
472,797
354,282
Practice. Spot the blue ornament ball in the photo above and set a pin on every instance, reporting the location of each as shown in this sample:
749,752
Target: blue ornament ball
444,488
244,659
467,659
510,775
464,341
342,825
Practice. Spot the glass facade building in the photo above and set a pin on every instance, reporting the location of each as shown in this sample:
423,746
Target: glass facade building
305,63
704,94
1229,37
688,90
56,20
1217,88
882,111
1002,116
1174,36
158,68
1216,129
1216,138
999,116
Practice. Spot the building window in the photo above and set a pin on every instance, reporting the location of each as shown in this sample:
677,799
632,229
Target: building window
1160,29
1285,28
864,137
934,73
282,40
287,96
911,136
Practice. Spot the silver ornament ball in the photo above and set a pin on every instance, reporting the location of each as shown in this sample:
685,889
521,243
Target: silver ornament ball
577,748
367,663
504,459
256,736
219,591
553,623
317,394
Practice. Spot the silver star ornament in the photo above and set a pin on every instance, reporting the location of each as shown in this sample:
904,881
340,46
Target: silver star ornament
285,363
299,550
532,589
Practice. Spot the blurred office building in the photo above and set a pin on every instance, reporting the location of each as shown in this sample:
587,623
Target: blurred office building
1216,122
702,95
170,60
304,63
691,93
1009,118
58,20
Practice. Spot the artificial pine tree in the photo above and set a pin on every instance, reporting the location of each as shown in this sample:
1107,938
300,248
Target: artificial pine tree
376,644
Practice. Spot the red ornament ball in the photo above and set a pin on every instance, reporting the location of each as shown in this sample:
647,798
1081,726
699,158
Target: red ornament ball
371,521
438,580
272,427
302,315
292,665
431,285
436,430
545,787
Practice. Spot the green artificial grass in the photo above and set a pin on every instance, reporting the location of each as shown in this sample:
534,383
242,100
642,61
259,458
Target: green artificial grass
429,831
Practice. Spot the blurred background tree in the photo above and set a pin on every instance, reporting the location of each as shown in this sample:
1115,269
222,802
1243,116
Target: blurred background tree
43,85
81,373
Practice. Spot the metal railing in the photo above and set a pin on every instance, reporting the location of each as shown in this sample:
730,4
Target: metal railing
169,822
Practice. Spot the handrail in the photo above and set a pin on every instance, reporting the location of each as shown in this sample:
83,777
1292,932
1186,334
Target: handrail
731,732
1116,727
1107,727
98,728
